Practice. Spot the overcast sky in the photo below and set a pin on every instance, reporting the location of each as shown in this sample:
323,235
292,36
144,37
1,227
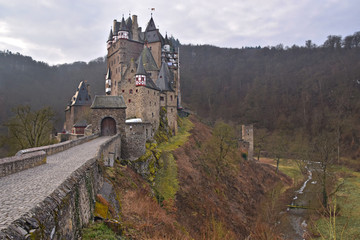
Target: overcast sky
64,31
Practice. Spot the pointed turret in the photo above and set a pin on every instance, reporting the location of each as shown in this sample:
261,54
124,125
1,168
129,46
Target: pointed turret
129,23
164,80
151,25
110,39
140,76
108,82
123,31
166,44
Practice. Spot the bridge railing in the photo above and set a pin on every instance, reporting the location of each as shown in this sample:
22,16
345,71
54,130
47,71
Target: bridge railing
32,157
58,147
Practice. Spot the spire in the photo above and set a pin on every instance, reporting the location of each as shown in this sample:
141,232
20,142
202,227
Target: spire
129,23
151,25
167,41
164,80
140,69
123,26
111,35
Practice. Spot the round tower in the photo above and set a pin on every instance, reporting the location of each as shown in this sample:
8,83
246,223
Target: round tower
124,31
140,76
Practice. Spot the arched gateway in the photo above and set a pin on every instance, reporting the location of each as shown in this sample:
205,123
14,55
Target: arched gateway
108,115
108,127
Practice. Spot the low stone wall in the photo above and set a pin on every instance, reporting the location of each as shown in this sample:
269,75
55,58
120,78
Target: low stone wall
58,147
69,208
111,150
15,164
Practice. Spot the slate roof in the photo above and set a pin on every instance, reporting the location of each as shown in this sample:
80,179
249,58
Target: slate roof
81,123
81,97
140,69
123,26
110,35
104,102
151,25
147,60
129,23
150,84
165,79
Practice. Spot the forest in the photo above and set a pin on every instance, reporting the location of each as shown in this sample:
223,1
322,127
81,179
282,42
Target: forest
292,90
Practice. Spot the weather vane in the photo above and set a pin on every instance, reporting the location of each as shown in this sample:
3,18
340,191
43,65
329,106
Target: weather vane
152,10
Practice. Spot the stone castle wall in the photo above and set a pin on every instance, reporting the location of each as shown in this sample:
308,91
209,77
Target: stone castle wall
133,145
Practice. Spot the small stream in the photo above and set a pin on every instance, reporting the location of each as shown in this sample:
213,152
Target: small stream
294,221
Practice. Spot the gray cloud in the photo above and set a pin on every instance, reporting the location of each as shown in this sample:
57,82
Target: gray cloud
58,31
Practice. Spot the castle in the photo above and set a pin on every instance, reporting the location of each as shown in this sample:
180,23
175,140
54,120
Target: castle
143,67
142,79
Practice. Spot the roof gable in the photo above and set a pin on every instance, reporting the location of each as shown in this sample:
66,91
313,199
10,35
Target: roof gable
103,102
81,97
148,60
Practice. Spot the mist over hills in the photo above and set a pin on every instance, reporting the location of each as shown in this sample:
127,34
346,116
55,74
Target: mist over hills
289,89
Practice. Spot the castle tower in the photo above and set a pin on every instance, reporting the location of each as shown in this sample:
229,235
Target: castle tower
154,41
140,76
110,39
78,106
135,28
248,136
123,31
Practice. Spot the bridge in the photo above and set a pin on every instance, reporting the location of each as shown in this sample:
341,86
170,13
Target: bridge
55,199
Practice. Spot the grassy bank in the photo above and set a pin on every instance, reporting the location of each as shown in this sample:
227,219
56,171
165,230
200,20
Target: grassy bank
347,203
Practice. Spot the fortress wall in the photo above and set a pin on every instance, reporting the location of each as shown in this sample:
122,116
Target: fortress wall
15,164
69,208
133,145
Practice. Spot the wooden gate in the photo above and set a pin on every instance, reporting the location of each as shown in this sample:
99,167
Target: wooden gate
108,127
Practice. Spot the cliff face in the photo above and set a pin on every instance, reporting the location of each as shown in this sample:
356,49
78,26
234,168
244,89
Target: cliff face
206,205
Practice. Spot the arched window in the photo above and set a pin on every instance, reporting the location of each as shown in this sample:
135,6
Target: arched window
130,91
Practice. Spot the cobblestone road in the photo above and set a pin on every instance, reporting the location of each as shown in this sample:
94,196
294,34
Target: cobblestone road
21,191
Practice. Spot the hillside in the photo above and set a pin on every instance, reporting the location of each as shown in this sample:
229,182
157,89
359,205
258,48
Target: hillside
24,81
206,205
290,90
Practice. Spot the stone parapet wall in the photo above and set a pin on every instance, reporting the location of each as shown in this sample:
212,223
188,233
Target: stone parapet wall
15,164
58,147
133,144
69,208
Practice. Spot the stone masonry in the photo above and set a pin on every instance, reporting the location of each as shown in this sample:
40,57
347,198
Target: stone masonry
53,199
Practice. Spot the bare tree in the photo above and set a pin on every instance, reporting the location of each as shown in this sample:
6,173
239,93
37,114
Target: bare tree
29,128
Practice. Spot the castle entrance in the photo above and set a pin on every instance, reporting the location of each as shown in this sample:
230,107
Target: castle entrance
108,127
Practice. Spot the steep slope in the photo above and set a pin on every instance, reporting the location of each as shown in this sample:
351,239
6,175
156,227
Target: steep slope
206,206
205,202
